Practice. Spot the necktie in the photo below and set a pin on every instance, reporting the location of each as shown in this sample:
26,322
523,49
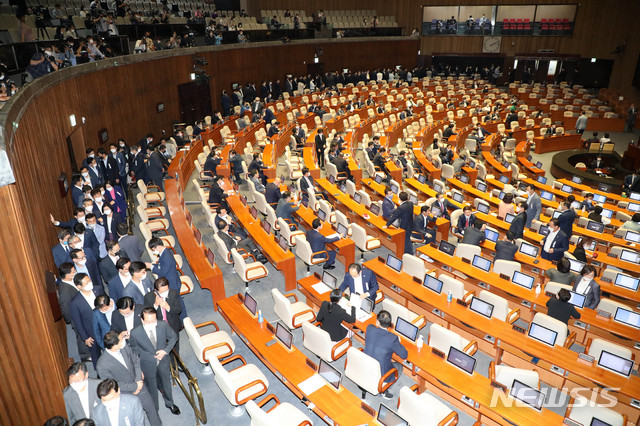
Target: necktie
164,313
152,337
467,221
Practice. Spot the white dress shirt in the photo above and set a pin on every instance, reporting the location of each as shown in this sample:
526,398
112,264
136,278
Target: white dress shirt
129,322
583,285
357,285
117,355
139,286
114,415
550,237
90,298
83,395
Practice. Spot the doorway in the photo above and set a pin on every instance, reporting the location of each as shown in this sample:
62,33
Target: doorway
195,100
77,148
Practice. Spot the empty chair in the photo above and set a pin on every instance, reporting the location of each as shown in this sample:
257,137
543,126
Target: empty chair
326,208
152,212
397,310
247,271
287,233
216,344
363,241
505,375
467,251
442,339
506,267
241,384
594,347
563,338
413,266
281,414
151,197
293,314
500,307
610,306
448,172
319,342
583,411
364,371
342,219
424,409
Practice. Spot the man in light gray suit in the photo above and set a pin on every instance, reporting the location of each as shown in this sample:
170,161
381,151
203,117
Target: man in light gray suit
153,341
131,245
534,205
80,397
124,407
118,362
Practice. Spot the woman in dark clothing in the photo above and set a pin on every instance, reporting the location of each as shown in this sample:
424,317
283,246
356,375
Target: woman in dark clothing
580,252
331,316
560,308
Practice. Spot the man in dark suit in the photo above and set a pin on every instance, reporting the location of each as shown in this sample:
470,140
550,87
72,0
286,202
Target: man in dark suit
388,206
588,204
317,241
598,163
66,292
117,283
474,235
555,243
81,309
534,205
404,213
381,344
269,116
235,161
306,181
166,302
256,106
128,407
145,144
120,363
102,314
321,145
89,240
76,191
126,316
448,132
95,173
506,249
342,165
137,164
109,166
361,282
421,225
131,245
79,215
517,224
155,167
235,242
217,194
108,263
566,218
85,265
272,191
466,219
61,250
371,151
300,136
443,204
211,164
153,341
630,122
379,160
141,283
632,182
80,397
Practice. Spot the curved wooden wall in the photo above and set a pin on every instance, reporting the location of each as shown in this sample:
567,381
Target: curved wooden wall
121,96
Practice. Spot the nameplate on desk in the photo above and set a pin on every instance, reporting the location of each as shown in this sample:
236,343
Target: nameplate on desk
505,277
270,328
461,302
519,329
370,411
434,245
580,226
417,280
550,294
580,324
603,314
311,364
569,422
535,270
596,264
635,403
328,420
612,255
557,370
606,280
498,385
636,345
437,353
381,259
617,236
241,297
465,260
586,358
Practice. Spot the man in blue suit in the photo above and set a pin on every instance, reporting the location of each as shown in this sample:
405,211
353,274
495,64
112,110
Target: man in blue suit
95,173
361,282
566,218
466,219
128,406
88,266
137,164
555,243
317,242
81,309
387,204
117,283
102,318
404,213
381,344
78,216
76,191
61,250
166,265
89,240
140,284
444,205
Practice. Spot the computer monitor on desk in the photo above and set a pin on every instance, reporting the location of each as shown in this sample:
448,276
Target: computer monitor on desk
250,303
387,417
542,180
483,208
461,360
413,199
542,334
481,307
321,214
576,180
632,237
530,396
447,247
595,226
481,186
627,281
357,197
329,280
394,263
577,299
546,195
394,188
529,249
509,218
635,196
284,336
598,198
464,178
576,265
628,317
481,263
432,283
406,329
615,363
438,188
342,230
522,280
374,209
491,235
504,179
421,178
604,187
329,374
457,197
378,179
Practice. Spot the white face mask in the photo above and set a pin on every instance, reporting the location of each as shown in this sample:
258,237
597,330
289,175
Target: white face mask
107,212
82,219
112,404
89,209
88,287
79,386
98,199
113,150
143,277
164,294
85,174
108,188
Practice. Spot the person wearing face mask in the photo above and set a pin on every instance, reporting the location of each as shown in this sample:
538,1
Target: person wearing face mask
107,265
388,206
78,217
67,291
137,164
114,195
76,191
140,284
91,153
126,316
166,302
122,279
81,309
109,166
95,174
61,250
117,408
153,341
86,178
155,167
98,201
102,313
166,267
80,397
110,222
132,245
586,285
122,165
89,241
99,233
518,222
120,363
84,264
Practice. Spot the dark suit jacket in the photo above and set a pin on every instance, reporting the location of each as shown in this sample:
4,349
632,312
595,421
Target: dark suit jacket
66,292
175,308
108,269
561,311
505,250
77,195
331,322
211,165
317,241
110,368
565,221
381,344
342,165
131,412
118,322
91,242
473,236
132,246
321,142
419,224
94,271
166,339
369,283
446,204
60,255
116,287
110,171
166,267
216,194
96,176
592,293
101,327
133,292
462,222
304,185
517,224
82,316
404,212
631,185
73,405
120,206
378,161
138,167
559,245
272,193
388,207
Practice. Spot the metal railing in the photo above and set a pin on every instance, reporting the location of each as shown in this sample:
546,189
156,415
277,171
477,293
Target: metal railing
192,390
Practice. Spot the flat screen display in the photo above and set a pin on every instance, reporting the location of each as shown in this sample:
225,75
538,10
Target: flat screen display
387,417
632,237
501,195
546,195
321,214
433,284
283,243
421,178
374,209
267,227
435,210
509,218
329,280
284,335
481,307
491,235
342,230
504,179
577,299
250,303
394,188
595,226
329,374
607,213
576,179
483,208
598,422
628,317
566,188
254,212
461,360
447,247
437,187
357,197
630,256
576,265
556,214
332,179
378,179
523,280
544,230
458,197
635,196
539,165
599,198
406,329
481,263
413,199
543,334
472,164
542,180
604,187
482,187
394,263
464,178
615,363
633,207
530,396
627,281
529,250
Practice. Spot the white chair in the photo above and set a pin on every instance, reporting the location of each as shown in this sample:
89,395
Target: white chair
151,197
448,172
152,212
594,347
413,266
363,241
500,307
247,271
292,314
505,375
216,344
506,267
186,285
326,208
443,339
610,306
261,203
582,411
564,338
424,409
319,342
287,233
467,251
241,384
397,310
272,219
155,225
450,284
282,414
364,371
304,252
291,170
342,219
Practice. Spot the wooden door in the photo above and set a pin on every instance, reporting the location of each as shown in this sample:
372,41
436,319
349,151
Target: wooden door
195,100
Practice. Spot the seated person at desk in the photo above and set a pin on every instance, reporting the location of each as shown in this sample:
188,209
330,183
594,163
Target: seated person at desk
379,160
465,220
587,204
257,164
222,214
474,234
421,225
506,206
342,165
371,150
404,158
361,282
633,224
598,163
317,241
560,308
212,163
632,182
517,224
459,163
331,315
272,191
299,136
604,139
436,161
446,155
216,193
586,285
381,344
273,130
388,206
586,143
580,252
286,207
551,130
448,132
596,215
443,204
555,243
561,273
506,248
235,242
257,183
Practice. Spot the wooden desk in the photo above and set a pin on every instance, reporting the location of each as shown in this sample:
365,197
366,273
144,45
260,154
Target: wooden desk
430,169
269,160
557,143
309,157
472,173
341,407
284,261
392,238
495,165
209,276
